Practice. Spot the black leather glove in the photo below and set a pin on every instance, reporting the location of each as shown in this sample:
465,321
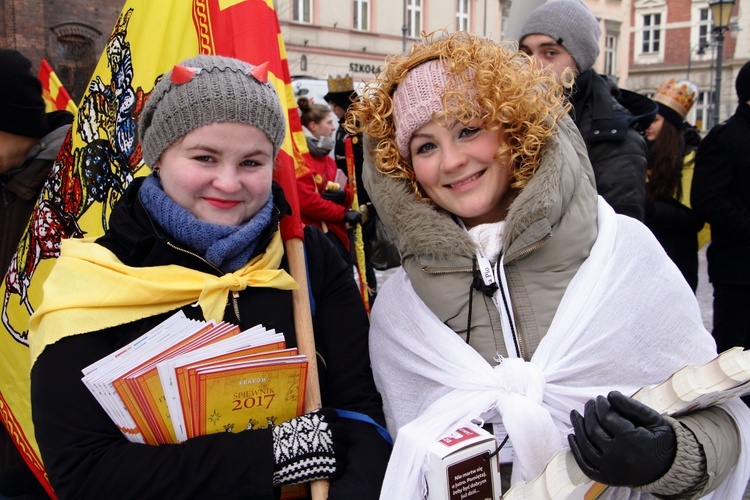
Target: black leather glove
311,446
352,217
621,442
335,195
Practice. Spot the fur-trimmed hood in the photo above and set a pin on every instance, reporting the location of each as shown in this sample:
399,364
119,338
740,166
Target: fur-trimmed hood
549,231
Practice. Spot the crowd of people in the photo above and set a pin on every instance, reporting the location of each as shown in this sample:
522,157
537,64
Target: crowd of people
548,225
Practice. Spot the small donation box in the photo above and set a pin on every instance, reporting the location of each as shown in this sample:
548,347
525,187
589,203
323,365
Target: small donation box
459,467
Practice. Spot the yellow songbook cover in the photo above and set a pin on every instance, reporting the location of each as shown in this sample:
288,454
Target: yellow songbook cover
248,395
184,373
148,408
150,393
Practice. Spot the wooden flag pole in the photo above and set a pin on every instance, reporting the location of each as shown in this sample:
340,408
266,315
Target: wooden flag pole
295,252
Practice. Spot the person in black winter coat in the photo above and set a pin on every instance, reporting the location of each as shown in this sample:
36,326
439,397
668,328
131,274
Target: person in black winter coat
721,195
341,95
672,144
30,139
564,36
209,209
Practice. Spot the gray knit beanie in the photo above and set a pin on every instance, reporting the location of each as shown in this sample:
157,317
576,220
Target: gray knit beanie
571,24
203,90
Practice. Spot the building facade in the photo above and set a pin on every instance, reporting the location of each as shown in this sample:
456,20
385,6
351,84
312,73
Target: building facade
643,43
325,38
614,21
70,35
674,39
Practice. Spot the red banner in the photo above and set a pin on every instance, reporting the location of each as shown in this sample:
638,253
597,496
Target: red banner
55,95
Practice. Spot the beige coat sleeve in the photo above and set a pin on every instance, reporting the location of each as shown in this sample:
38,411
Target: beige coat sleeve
707,449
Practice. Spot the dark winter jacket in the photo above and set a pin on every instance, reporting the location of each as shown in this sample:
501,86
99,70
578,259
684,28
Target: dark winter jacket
611,121
721,195
85,454
20,188
673,221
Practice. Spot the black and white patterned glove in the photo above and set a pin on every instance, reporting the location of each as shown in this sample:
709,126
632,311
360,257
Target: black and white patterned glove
309,447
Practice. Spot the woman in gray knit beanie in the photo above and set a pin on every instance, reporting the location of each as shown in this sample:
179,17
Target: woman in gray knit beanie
200,237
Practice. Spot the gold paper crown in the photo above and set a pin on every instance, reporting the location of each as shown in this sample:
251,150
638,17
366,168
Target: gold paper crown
680,96
340,84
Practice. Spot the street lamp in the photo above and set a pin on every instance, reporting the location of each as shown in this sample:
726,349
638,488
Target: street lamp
404,29
721,11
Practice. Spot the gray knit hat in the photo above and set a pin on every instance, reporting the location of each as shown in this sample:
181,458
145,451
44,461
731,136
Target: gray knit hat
571,24
203,90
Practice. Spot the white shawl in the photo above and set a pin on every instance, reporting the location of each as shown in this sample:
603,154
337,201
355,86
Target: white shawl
627,319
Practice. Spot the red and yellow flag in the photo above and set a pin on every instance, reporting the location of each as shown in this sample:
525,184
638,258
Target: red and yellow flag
54,94
357,241
102,155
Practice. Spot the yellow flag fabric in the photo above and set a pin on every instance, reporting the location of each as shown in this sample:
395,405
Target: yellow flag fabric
102,155
704,235
113,292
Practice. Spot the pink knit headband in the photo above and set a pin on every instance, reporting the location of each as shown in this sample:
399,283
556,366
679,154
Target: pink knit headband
416,100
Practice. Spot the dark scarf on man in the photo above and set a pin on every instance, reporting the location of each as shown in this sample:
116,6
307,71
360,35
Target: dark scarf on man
226,247
580,93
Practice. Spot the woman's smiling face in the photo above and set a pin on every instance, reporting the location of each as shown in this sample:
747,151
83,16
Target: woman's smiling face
457,168
221,172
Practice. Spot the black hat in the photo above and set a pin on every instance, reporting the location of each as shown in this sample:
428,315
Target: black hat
742,84
22,110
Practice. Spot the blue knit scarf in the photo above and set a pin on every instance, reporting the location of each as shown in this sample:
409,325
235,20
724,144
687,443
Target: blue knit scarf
226,247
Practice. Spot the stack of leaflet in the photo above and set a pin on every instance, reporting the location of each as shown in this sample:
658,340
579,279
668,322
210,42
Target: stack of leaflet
186,378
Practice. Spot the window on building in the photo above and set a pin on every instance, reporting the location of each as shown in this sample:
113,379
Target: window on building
462,15
75,55
702,110
414,14
704,27
651,41
361,15
610,55
302,11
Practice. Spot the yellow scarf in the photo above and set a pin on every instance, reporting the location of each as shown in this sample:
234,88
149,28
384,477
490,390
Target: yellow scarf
89,289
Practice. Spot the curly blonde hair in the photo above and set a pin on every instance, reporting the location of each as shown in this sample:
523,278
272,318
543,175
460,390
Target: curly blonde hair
504,90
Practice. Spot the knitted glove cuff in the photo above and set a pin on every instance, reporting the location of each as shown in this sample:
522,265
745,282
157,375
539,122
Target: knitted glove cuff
303,450
688,471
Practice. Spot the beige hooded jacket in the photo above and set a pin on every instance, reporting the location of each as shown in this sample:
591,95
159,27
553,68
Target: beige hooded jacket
549,231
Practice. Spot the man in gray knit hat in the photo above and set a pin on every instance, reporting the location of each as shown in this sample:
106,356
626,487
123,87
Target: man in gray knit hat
564,35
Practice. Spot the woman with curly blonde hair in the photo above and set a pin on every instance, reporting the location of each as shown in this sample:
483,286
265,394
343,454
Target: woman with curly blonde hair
522,295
